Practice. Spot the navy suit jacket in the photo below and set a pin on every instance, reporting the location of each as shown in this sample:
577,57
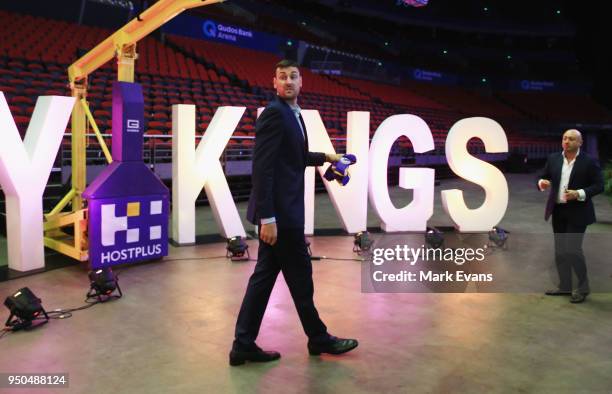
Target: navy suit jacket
586,175
279,160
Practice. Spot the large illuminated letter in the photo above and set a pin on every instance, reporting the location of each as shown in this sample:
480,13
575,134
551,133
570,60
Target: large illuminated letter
477,171
194,169
414,216
24,170
350,201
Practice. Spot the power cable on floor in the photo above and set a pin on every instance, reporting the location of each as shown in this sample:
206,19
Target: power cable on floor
59,314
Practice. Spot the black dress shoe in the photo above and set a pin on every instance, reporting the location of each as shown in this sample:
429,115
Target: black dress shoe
578,297
334,345
557,292
255,354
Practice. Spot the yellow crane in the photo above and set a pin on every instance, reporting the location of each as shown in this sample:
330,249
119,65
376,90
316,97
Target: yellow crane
121,45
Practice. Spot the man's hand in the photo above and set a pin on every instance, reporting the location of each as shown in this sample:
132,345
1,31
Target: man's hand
571,195
332,157
544,184
267,233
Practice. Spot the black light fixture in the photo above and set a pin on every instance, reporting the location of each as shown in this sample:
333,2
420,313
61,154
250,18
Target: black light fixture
237,249
434,238
362,242
25,307
103,282
498,236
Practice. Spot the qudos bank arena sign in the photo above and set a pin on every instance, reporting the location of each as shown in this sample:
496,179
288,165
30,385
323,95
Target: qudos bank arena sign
25,167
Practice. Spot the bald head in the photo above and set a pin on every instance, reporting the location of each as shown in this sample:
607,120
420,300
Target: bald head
572,141
574,133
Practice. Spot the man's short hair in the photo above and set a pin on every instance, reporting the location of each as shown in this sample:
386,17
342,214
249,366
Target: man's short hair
285,63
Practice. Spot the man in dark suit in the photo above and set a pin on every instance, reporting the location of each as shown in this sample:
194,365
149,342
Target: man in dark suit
573,178
276,205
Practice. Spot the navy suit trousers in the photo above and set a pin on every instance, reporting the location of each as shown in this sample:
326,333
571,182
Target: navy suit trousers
290,256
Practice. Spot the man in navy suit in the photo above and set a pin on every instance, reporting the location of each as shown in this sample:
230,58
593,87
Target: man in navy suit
573,178
276,205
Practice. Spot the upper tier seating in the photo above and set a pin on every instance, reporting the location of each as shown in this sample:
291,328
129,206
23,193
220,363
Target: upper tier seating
559,107
257,67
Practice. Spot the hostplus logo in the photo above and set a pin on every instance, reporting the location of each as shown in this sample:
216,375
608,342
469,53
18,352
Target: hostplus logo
138,234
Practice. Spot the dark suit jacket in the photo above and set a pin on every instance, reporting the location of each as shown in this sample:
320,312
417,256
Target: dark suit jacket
586,175
279,160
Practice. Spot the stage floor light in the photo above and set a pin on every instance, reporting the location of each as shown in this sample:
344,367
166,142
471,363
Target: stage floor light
103,282
498,237
237,249
362,242
24,308
434,238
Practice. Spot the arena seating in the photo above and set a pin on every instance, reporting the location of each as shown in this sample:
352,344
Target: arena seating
392,94
468,102
209,75
559,107
256,67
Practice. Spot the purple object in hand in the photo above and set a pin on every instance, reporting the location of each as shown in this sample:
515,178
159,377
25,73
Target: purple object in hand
339,170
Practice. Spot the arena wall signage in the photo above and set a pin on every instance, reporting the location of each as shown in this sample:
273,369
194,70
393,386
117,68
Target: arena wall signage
537,85
431,76
191,26
549,86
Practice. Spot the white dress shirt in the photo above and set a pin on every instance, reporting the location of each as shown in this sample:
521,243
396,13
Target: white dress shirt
566,172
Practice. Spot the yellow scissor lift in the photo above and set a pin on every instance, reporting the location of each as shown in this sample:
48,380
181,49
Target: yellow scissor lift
122,45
